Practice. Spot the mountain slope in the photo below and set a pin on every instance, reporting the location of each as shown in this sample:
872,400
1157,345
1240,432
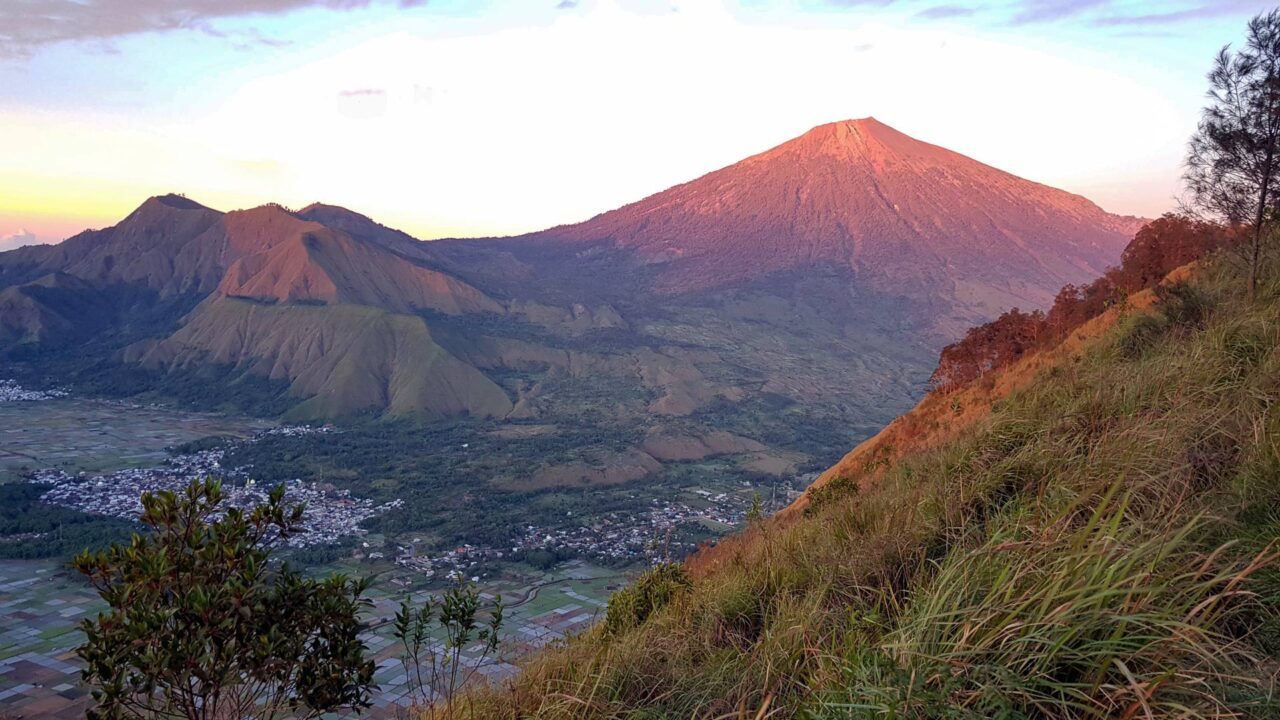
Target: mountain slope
160,245
338,360
328,266
899,215
1095,539
53,310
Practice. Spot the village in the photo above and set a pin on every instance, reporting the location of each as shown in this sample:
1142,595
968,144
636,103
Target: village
330,513
613,537
11,391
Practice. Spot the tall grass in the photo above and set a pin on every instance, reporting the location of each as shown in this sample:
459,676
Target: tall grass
1100,546
1089,616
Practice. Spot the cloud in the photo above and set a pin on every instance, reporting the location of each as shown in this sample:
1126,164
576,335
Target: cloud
944,12
1038,11
27,25
566,4
861,3
1199,12
17,240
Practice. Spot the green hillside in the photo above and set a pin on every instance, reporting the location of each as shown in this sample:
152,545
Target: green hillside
342,359
1100,543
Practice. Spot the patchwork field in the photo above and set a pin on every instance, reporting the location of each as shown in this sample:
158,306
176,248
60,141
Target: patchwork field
76,434
41,603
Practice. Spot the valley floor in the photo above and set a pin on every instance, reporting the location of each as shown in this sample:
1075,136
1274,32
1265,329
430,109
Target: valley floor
123,449
78,434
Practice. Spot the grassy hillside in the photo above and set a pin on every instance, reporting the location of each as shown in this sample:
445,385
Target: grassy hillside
1088,533
344,359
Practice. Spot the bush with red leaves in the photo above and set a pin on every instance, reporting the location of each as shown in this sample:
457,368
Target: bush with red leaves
1160,247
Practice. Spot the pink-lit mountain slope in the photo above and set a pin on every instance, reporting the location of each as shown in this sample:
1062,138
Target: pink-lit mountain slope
902,216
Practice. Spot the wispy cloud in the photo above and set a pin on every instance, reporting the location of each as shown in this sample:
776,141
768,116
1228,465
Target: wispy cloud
27,25
1220,8
861,3
945,12
1118,13
1038,11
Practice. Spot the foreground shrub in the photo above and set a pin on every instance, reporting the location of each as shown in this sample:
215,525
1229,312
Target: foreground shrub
435,670
1182,304
656,588
201,626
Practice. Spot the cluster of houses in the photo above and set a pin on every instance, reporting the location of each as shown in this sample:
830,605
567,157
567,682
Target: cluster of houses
330,513
625,536
452,564
11,391
615,536
296,430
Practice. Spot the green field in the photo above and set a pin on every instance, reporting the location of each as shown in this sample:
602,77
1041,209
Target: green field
76,435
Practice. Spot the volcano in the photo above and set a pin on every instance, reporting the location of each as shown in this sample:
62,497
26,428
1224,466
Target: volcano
895,214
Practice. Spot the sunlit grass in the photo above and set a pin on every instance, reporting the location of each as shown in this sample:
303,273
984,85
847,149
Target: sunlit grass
1100,546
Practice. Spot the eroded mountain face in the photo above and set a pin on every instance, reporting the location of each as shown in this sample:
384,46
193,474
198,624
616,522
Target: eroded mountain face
771,311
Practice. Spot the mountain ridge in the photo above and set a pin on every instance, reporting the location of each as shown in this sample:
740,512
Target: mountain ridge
796,272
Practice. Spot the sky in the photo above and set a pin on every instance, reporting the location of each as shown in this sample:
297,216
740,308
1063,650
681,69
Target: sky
478,118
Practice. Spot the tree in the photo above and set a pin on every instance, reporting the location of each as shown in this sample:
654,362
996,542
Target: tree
434,667
1234,157
756,513
1163,245
986,347
202,626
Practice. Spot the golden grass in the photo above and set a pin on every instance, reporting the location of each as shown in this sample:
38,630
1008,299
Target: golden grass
1087,536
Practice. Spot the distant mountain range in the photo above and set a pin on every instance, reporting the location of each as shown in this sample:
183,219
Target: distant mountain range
821,275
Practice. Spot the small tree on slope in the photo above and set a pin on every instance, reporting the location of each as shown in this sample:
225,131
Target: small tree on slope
1233,162
201,627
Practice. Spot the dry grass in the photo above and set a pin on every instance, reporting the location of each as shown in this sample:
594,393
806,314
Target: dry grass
1095,543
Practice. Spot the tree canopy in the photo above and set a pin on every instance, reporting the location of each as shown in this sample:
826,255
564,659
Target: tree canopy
1234,157
202,625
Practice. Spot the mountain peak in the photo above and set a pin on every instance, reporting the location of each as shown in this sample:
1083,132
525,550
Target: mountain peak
866,124
160,215
866,127
324,213
864,139
361,227
173,201
859,196
160,211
